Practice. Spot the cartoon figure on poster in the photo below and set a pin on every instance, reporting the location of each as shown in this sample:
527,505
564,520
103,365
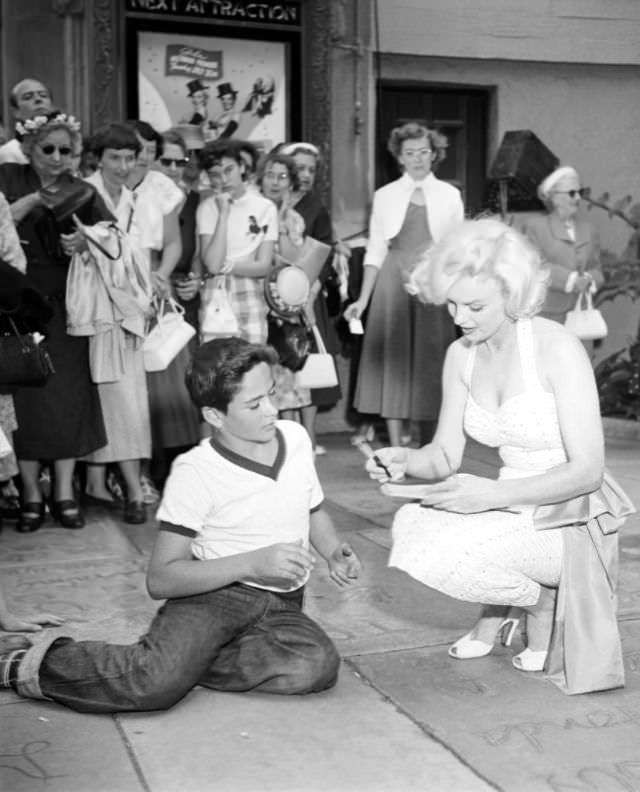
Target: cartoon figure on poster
261,97
225,124
199,95
227,87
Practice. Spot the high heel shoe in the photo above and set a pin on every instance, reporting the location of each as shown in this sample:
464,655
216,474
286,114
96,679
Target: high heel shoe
467,648
67,513
31,517
529,660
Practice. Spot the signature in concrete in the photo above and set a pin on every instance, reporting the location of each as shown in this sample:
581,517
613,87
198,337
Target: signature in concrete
622,776
532,732
24,764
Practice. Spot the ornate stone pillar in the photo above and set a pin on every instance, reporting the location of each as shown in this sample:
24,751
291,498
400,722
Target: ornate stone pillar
316,89
105,68
75,89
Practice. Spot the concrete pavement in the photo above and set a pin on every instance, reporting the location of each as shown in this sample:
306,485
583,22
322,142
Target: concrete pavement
403,717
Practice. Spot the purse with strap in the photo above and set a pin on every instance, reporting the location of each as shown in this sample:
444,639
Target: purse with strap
586,321
167,337
319,370
217,318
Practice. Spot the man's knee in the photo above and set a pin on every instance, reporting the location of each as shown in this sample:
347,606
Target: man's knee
315,669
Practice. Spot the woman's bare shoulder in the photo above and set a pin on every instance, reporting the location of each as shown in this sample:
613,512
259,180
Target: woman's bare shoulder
556,346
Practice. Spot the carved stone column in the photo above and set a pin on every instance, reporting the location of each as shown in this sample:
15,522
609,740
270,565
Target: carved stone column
316,88
75,89
105,70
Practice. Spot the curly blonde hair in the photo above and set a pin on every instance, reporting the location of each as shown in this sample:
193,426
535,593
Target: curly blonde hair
485,247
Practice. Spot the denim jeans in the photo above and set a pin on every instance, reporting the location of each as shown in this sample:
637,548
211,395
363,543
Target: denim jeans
236,638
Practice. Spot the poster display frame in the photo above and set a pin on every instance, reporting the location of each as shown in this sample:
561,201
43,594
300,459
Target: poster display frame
178,31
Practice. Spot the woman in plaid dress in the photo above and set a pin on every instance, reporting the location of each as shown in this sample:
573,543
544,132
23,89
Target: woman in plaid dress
237,230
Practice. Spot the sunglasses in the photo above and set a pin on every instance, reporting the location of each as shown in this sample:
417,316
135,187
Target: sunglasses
574,193
49,149
168,162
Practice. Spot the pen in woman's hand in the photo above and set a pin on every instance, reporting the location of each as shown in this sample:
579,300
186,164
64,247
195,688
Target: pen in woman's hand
366,449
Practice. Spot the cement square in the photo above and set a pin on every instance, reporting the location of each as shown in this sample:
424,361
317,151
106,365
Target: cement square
345,740
47,747
518,730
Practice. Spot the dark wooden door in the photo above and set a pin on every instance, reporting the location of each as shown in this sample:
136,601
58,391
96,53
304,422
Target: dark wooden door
459,113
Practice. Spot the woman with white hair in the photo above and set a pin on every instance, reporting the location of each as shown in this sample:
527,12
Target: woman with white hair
567,243
522,384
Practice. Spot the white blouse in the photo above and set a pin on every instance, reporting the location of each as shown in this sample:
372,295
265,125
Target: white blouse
443,206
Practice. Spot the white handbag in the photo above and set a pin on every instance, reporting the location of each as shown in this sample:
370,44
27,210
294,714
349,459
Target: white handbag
586,321
167,337
319,370
217,319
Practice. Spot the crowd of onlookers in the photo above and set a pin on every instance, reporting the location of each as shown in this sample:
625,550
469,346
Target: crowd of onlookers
201,218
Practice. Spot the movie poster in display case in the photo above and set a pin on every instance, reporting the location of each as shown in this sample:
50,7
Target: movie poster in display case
230,87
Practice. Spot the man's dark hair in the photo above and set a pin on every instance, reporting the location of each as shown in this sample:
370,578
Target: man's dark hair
217,369
116,135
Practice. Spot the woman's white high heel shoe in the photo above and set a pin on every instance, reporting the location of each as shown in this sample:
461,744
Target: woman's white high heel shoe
529,660
467,648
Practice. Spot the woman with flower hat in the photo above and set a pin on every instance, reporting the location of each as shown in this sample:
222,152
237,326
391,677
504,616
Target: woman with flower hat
61,420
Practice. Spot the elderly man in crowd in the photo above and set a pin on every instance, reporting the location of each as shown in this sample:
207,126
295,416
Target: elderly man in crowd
28,99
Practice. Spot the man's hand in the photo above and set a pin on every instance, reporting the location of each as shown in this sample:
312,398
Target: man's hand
344,565
463,493
281,565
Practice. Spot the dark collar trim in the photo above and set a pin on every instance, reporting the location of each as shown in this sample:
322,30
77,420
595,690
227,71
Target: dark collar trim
271,471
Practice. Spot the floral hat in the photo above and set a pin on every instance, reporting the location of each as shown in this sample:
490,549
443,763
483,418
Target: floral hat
32,125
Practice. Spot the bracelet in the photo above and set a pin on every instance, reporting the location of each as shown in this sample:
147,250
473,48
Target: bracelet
226,268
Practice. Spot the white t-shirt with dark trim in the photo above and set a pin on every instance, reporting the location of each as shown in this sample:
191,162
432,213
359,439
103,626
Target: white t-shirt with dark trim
229,504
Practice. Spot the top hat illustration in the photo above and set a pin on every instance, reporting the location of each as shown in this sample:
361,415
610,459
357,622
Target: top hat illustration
225,89
194,86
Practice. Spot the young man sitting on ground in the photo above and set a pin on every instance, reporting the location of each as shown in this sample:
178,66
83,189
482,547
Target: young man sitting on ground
232,556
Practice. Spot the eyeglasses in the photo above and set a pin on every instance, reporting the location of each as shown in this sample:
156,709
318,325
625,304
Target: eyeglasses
413,154
573,193
168,162
49,149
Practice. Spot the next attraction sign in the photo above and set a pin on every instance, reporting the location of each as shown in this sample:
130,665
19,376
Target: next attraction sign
286,13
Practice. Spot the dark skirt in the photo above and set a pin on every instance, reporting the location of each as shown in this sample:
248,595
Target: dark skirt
61,419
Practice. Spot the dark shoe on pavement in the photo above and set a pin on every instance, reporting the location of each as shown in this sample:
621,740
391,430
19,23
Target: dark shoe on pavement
67,513
134,512
31,516
9,508
12,649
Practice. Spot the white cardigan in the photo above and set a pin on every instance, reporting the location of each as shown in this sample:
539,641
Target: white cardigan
443,207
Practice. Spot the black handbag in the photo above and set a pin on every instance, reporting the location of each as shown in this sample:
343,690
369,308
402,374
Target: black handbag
22,360
69,196
291,341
